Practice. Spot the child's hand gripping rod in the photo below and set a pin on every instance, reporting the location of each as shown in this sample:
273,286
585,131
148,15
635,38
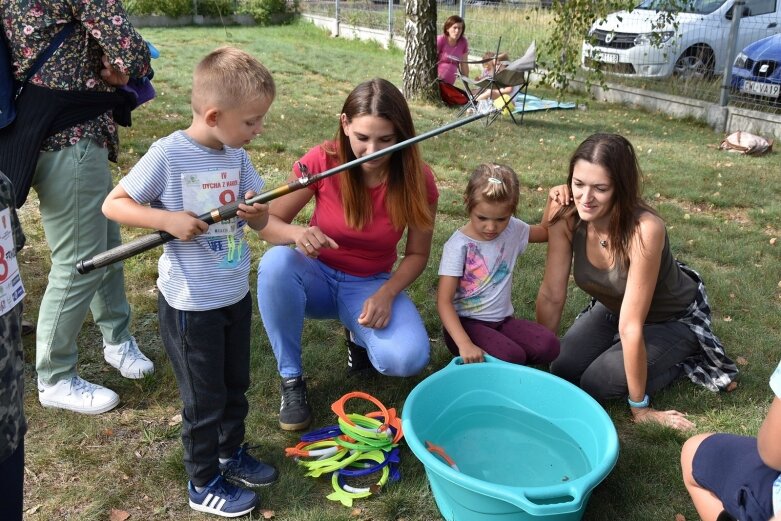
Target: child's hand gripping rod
228,211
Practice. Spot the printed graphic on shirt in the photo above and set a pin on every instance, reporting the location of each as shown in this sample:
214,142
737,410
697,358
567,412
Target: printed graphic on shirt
204,191
478,276
11,288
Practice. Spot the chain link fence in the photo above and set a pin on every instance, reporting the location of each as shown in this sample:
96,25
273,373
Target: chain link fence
689,54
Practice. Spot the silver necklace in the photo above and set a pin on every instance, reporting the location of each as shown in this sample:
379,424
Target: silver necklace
602,242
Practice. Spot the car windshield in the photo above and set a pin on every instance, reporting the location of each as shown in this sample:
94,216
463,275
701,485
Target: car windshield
684,6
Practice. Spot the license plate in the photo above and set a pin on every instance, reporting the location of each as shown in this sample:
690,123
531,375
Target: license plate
606,57
770,90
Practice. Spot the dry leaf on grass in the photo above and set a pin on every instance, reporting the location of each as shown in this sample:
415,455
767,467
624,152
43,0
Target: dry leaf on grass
741,361
267,514
118,515
679,517
356,512
33,510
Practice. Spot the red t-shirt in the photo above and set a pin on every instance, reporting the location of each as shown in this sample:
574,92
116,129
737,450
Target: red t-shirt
363,252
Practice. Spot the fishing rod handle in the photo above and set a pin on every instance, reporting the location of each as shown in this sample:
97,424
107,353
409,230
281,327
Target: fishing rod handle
124,251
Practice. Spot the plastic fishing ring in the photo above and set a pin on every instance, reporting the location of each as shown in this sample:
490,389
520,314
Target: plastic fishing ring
356,469
367,431
345,493
337,461
338,408
324,433
319,449
439,451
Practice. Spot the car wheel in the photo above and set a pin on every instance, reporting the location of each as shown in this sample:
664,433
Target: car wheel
695,62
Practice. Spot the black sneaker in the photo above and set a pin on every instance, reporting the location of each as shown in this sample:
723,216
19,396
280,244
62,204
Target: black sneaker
294,411
357,358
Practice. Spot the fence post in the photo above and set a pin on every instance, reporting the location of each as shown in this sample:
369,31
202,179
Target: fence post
462,9
390,23
732,42
336,19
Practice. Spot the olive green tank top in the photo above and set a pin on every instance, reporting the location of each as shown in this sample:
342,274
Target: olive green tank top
673,293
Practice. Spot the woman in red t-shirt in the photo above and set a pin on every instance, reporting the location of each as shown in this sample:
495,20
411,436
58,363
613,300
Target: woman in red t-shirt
342,266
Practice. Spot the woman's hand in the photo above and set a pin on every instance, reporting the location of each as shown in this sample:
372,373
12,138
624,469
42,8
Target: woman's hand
312,239
471,354
676,420
376,312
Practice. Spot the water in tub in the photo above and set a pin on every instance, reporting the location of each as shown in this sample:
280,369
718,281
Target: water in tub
509,446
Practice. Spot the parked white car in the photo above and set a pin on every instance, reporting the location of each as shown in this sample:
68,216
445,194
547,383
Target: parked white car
648,42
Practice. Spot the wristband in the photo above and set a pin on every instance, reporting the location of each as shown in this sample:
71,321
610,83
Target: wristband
639,405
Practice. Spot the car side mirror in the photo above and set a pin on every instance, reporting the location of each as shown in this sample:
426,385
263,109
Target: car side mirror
746,12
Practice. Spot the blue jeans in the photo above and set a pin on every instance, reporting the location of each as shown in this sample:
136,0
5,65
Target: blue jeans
291,286
72,184
210,356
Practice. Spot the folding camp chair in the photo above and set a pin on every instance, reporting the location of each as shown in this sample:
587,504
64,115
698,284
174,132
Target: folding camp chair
515,74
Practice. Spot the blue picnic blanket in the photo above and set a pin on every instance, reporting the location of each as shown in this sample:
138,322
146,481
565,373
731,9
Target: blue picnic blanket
534,103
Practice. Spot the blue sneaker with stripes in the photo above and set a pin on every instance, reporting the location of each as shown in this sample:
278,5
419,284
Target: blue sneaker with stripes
221,498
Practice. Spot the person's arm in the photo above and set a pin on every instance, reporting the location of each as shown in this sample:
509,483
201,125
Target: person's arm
553,290
280,228
377,308
124,48
645,254
769,434
464,66
446,290
122,208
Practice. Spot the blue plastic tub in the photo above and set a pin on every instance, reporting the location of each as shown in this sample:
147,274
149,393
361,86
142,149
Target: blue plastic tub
525,444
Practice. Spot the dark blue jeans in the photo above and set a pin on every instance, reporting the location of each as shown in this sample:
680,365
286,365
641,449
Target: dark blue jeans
210,354
12,484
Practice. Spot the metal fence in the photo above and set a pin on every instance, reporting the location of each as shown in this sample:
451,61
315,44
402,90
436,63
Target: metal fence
689,55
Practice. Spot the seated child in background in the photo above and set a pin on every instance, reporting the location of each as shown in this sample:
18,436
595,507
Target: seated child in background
204,305
492,66
733,477
476,274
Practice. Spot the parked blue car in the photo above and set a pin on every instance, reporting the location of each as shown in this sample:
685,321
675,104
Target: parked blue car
757,69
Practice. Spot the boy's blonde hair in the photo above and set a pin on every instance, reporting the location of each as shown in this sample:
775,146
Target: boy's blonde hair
228,77
492,183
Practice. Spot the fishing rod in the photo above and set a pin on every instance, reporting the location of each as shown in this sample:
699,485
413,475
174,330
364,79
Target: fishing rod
228,211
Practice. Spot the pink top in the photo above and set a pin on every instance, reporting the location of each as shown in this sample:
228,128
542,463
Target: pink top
363,252
448,56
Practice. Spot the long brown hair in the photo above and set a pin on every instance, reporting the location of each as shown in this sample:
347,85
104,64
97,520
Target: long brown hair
616,155
406,197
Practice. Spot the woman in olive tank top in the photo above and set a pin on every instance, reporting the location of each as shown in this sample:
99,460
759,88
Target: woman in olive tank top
649,321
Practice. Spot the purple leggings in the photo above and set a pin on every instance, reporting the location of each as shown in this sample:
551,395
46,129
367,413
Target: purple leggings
513,340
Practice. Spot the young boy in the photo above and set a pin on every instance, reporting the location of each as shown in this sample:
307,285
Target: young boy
204,303
731,477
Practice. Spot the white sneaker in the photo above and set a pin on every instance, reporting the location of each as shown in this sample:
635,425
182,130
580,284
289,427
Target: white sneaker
126,357
75,394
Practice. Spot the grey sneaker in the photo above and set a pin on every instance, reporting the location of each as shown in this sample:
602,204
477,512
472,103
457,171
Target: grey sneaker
294,411
128,358
75,394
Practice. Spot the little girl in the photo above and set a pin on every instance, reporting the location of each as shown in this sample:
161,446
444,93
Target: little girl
476,272
492,66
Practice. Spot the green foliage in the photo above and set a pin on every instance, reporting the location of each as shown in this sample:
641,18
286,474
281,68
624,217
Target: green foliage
173,8
271,12
572,21
216,7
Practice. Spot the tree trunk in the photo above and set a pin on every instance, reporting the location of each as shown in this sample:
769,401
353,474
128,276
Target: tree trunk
420,52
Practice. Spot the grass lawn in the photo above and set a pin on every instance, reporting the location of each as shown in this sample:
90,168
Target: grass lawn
722,211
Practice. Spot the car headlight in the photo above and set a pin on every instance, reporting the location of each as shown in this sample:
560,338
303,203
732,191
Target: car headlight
740,60
656,38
